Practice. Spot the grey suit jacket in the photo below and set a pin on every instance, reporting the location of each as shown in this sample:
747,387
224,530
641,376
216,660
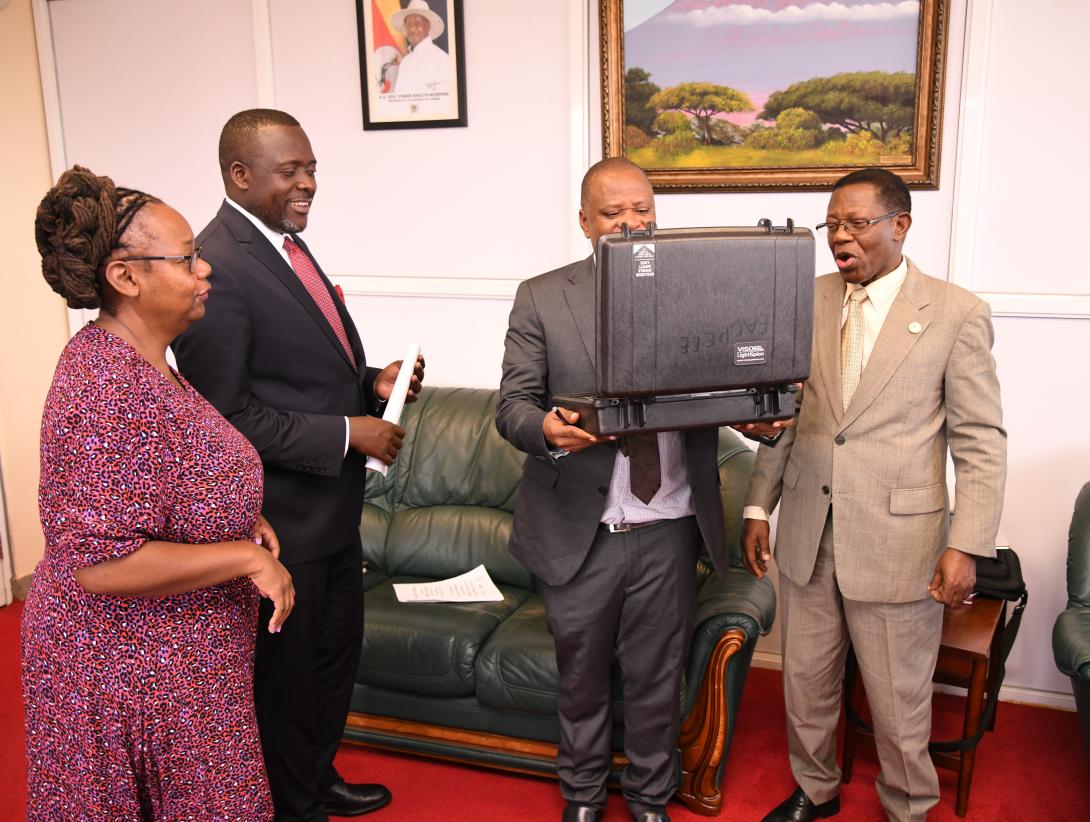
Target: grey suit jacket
930,384
550,350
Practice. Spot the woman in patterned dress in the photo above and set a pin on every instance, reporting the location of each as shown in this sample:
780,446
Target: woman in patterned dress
138,631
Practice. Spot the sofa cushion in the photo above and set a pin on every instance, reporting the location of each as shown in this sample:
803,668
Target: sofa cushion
516,669
427,648
442,541
456,456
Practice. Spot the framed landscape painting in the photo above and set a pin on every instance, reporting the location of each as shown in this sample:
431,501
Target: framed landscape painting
764,95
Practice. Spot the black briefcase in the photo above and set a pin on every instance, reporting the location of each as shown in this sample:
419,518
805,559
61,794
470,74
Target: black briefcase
699,326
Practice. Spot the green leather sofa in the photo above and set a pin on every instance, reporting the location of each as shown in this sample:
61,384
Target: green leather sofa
1071,633
477,682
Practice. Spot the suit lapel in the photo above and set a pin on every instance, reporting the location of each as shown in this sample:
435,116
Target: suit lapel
894,342
581,296
262,250
827,335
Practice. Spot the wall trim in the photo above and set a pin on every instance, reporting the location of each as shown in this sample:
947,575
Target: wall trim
51,93
264,66
449,288
20,586
964,229
1008,693
579,121
7,566
54,121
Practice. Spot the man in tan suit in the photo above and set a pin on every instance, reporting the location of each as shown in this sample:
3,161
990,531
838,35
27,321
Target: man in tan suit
866,549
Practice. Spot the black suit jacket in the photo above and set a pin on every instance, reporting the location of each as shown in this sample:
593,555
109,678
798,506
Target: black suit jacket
550,350
265,356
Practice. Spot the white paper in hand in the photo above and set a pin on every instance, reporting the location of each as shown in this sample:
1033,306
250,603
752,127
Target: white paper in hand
472,586
396,403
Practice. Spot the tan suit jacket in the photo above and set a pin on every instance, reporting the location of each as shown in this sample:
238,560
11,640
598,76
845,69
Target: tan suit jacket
929,384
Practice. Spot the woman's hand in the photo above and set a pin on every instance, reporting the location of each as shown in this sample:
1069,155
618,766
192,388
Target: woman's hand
273,581
265,536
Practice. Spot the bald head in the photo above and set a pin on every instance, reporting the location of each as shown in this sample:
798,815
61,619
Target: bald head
609,164
615,192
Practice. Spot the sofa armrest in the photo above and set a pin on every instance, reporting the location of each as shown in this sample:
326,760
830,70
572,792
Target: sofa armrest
730,615
739,601
738,593
1071,642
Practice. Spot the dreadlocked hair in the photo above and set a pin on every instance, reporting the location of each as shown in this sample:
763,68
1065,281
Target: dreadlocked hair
80,222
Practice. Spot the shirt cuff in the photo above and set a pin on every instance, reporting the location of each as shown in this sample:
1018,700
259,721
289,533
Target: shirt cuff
754,512
346,436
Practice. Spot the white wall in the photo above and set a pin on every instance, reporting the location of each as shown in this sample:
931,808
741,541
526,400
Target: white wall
430,230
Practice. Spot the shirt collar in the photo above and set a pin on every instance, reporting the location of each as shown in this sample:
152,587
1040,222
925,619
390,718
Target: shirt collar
276,238
884,289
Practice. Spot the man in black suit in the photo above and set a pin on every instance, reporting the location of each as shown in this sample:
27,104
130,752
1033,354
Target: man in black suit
616,551
278,354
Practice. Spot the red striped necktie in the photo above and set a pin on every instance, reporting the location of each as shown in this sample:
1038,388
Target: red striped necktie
310,278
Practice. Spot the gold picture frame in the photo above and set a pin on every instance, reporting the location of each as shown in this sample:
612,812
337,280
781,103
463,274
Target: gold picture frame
915,135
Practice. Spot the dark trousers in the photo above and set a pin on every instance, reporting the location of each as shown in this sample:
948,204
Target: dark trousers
303,680
633,600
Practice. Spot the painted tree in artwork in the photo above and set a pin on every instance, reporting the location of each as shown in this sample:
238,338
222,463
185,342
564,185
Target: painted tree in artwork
702,101
879,102
638,89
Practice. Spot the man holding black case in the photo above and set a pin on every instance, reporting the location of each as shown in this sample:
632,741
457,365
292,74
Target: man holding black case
612,527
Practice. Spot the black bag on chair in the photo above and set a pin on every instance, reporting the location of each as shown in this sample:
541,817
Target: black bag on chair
999,578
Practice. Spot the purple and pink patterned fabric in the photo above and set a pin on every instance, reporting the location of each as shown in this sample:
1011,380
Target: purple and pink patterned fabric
139,707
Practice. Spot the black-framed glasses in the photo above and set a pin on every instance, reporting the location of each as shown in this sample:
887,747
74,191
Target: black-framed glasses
854,227
192,259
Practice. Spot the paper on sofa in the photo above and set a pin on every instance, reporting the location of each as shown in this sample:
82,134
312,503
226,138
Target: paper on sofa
472,586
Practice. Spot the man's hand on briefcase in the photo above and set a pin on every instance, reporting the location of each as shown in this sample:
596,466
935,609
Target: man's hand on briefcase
755,552
561,432
764,429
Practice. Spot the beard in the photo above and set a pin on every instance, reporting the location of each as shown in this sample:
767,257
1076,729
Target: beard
279,220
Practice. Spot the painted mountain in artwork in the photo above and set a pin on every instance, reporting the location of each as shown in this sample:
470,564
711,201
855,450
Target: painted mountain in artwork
761,46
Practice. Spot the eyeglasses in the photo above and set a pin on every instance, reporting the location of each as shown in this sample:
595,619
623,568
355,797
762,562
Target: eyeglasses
854,227
192,259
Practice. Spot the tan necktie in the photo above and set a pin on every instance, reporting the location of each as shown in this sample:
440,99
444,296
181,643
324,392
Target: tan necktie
851,345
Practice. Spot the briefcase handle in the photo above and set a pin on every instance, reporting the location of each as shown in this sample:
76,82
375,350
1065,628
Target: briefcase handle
627,233
766,224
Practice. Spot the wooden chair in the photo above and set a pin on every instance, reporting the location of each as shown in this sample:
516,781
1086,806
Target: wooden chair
968,658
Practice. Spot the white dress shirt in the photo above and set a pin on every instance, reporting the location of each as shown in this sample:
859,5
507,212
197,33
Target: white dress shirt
880,296
673,500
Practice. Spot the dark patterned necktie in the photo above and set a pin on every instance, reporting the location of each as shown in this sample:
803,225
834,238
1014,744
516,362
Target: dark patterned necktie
310,278
645,475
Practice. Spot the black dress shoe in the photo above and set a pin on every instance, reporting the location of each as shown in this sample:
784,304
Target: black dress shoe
798,808
344,799
580,812
656,815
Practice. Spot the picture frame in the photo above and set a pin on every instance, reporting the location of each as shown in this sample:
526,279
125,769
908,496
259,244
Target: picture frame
412,63
683,147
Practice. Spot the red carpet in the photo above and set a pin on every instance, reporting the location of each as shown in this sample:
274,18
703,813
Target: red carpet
1031,769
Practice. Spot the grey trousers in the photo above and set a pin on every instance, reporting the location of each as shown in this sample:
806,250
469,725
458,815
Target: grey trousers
896,645
633,600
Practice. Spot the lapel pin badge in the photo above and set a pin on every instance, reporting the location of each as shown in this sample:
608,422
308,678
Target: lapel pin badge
915,327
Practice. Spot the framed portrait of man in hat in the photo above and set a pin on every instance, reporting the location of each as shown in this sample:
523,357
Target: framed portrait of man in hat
412,63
